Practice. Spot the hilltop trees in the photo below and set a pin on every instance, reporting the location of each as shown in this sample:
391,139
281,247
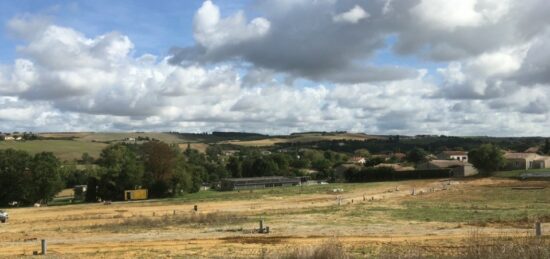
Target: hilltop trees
28,179
487,158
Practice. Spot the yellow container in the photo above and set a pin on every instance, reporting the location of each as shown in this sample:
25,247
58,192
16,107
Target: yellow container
132,195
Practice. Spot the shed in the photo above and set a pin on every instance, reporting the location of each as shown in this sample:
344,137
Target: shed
131,195
230,184
457,168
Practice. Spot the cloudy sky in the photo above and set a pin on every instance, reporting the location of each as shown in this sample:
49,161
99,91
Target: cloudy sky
454,67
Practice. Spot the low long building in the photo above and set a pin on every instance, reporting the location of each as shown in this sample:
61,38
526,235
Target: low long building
231,184
524,161
457,168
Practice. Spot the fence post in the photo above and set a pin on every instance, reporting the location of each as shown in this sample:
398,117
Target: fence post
538,229
44,246
261,226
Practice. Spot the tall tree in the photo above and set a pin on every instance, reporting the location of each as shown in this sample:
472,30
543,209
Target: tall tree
234,167
121,170
417,155
28,179
487,158
546,147
45,168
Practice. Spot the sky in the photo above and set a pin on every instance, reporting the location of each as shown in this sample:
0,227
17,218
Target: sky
451,67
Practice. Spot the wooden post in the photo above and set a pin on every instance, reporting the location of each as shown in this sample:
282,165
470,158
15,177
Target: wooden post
267,230
413,192
196,208
261,226
44,246
538,229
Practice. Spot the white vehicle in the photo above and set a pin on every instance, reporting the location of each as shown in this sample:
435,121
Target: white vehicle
3,216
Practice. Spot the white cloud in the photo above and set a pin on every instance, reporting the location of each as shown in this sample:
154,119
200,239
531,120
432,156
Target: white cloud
211,31
354,15
243,79
452,14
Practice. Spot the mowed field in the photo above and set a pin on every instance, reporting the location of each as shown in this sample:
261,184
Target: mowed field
371,218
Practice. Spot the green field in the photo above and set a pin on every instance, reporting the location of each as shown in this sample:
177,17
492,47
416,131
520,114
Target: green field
65,150
518,173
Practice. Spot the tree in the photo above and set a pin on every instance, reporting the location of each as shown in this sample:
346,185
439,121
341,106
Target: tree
546,147
28,179
46,176
213,152
362,152
234,167
417,155
120,170
487,158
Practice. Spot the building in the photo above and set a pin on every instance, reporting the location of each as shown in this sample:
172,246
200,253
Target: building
231,184
80,191
456,168
453,155
357,160
396,167
524,161
131,195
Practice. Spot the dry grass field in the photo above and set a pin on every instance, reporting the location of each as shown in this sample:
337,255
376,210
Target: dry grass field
304,137
372,218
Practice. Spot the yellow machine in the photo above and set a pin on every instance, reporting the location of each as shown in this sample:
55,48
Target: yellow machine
132,195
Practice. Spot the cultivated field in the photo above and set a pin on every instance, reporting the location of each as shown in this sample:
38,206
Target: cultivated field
71,146
303,137
68,150
374,219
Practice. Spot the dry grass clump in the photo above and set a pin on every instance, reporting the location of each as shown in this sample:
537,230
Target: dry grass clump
144,222
506,247
477,246
330,249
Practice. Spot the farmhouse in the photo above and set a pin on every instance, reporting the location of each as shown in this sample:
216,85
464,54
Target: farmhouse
357,160
524,161
230,184
453,155
457,168
9,138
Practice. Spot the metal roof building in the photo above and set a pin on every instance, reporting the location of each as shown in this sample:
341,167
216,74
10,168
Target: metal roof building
230,184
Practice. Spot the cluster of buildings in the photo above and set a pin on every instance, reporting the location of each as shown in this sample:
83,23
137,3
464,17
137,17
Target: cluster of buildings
9,137
457,162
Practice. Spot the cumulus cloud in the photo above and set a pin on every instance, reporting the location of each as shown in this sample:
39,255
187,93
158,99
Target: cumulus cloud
354,15
322,47
487,59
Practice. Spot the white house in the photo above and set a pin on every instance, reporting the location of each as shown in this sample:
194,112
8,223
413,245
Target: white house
454,155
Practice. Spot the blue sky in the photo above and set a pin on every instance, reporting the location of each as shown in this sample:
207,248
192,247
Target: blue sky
153,26
276,66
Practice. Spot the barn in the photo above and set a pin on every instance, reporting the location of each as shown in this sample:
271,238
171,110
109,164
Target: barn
231,184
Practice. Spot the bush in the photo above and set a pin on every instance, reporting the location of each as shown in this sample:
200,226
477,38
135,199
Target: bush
330,249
